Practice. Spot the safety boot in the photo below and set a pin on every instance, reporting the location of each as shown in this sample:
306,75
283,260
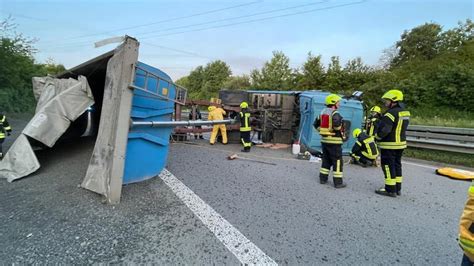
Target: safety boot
338,183
384,192
399,189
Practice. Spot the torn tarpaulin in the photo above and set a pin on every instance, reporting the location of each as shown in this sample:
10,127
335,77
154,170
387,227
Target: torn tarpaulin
60,101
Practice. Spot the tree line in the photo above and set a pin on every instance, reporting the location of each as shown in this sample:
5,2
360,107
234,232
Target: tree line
434,67
17,67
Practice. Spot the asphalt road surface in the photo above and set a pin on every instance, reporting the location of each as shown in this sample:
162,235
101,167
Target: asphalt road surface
280,209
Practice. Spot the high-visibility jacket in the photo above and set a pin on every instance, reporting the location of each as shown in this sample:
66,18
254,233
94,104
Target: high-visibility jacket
466,226
371,125
244,117
366,145
4,126
216,114
329,126
393,125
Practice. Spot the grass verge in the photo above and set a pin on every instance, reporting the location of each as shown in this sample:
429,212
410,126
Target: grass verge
454,158
441,116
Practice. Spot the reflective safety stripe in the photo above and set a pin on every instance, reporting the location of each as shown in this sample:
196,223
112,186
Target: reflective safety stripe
324,171
398,131
466,244
3,119
358,143
8,128
471,189
393,145
338,172
369,156
390,116
399,179
246,144
404,114
246,126
389,181
2,135
331,140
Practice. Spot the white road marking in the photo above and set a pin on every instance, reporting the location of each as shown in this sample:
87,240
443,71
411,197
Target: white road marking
245,251
421,165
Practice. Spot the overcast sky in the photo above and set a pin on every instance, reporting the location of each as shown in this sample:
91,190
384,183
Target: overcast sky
177,36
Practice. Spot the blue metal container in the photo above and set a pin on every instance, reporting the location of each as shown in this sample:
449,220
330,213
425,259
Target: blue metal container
147,147
311,105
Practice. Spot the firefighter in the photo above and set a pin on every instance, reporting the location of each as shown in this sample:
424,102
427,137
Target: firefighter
391,137
5,129
330,126
245,128
371,124
217,113
364,151
466,229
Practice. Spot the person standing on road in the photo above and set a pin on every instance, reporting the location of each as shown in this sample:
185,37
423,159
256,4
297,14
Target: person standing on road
371,124
195,114
364,151
330,126
245,128
466,229
217,113
5,129
391,137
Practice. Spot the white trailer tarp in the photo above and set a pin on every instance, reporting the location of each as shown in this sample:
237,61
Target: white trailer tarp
60,102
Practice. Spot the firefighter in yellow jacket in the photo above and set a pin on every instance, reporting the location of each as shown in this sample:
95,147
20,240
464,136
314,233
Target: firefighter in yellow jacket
371,125
391,137
466,229
217,113
245,128
5,129
330,125
365,151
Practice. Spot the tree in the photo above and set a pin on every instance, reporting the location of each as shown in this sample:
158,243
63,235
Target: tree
215,74
275,74
312,75
334,76
453,39
419,43
237,83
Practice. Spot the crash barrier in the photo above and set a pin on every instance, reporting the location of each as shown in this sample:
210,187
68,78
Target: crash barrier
311,105
441,138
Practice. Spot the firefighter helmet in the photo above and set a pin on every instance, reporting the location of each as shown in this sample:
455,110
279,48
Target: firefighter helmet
332,99
244,105
375,109
393,95
356,132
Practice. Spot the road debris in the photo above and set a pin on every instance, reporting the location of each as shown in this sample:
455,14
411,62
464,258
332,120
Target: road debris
235,156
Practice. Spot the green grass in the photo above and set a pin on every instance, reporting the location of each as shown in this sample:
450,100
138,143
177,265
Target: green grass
441,116
446,157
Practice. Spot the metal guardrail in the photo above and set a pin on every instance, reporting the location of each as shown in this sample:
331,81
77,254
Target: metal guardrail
441,138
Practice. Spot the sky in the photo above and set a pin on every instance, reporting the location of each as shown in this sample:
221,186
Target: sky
177,36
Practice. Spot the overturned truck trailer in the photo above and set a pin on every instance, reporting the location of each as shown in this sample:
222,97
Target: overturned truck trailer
127,99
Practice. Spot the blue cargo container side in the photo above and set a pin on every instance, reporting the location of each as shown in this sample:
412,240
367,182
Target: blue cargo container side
147,147
311,105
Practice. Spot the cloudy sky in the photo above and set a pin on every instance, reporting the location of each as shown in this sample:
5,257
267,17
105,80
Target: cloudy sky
177,36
